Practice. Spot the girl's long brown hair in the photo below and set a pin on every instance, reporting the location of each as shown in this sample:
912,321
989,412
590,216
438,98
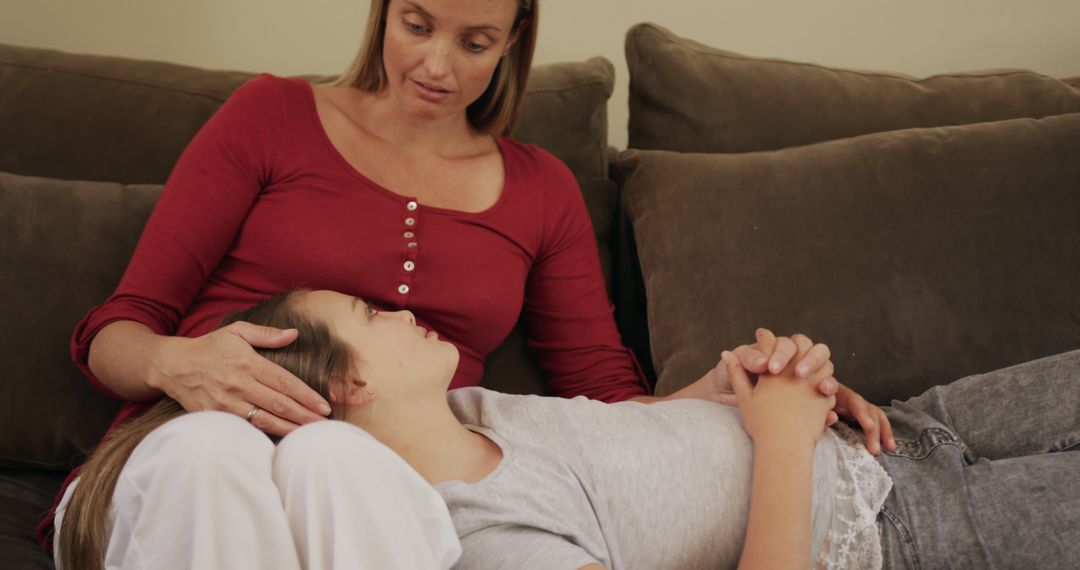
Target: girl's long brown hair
316,356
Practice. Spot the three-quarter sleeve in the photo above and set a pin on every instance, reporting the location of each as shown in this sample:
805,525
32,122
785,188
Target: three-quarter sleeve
201,209
569,317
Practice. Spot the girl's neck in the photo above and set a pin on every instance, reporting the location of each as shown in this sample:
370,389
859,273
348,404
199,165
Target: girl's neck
435,443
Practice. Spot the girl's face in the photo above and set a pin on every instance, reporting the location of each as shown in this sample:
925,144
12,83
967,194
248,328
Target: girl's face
393,354
440,55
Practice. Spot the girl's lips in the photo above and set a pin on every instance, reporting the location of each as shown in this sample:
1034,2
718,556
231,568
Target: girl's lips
429,93
432,334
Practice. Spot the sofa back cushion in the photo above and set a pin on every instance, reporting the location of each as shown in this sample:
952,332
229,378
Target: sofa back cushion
918,255
689,97
63,247
86,117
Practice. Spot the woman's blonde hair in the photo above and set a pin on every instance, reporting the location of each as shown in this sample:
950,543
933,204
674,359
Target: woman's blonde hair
316,356
497,109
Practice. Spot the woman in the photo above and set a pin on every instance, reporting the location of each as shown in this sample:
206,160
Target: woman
554,483
396,185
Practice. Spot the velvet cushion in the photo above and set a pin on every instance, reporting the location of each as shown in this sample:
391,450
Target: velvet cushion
63,248
689,97
565,112
26,496
85,117
919,256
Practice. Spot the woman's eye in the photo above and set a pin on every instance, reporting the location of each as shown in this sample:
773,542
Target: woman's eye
415,28
372,311
474,47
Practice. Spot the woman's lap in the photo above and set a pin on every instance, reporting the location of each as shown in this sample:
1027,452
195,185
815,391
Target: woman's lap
206,485
985,471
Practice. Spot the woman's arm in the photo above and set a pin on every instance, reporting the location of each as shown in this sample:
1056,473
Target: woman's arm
126,346
211,372
784,415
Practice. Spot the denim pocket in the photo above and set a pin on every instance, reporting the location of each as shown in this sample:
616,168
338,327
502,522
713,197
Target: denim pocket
903,539
929,440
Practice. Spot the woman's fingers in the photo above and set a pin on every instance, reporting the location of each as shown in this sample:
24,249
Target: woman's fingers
262,337
262,419
300,403
887,438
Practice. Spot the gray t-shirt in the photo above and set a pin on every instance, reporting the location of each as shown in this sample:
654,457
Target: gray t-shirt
628,485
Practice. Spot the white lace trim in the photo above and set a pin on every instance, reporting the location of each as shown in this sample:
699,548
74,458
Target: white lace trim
852,541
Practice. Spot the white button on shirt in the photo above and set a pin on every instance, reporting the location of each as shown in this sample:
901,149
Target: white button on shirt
411,206
409,266
403,289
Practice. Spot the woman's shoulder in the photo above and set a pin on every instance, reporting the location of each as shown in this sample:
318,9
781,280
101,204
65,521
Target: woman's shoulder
269,91
531,164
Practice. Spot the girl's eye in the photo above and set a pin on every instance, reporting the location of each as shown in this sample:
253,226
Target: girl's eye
372,311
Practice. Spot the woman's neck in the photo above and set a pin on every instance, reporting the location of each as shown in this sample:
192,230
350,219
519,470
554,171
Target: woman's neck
435,443
447,137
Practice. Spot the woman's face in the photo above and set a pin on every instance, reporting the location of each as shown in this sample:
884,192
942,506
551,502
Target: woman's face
393,353
440,55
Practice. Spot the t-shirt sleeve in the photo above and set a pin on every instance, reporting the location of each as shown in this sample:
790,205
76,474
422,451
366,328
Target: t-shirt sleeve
569,317
201,209
521,548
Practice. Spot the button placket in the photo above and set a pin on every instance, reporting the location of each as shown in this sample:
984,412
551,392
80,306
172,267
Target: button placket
410,236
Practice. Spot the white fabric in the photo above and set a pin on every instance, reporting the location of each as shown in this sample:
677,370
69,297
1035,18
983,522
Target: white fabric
853,541
207,490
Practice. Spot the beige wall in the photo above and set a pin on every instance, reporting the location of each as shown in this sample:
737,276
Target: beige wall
319,36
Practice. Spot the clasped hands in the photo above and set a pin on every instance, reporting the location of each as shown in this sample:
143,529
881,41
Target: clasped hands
803,360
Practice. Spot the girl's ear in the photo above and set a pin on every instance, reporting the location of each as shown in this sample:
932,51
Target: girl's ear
350,391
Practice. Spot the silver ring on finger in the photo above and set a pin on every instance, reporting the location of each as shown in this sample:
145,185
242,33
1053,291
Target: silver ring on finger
251,414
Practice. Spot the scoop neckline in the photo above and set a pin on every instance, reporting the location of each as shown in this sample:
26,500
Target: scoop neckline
504,446
328,145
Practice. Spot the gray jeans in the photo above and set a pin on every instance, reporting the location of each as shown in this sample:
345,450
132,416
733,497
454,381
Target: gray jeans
987,471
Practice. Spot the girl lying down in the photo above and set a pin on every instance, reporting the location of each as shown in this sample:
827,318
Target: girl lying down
984,473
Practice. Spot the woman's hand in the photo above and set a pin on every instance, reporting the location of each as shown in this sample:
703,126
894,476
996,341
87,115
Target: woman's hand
854,409
780,407
221,371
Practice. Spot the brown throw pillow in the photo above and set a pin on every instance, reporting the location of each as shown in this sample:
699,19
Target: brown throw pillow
63,248
689,97
919,256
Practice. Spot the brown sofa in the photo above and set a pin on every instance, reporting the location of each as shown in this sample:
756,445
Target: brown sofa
924,228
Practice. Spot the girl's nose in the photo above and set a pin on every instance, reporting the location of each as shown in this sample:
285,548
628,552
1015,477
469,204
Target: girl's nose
405,314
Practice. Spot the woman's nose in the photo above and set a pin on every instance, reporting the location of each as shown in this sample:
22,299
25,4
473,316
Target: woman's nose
437,61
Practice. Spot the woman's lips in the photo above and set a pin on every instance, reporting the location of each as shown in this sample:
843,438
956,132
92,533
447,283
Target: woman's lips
428,92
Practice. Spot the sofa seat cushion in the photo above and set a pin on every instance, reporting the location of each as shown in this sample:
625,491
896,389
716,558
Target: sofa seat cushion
26,496
689,97
919,256
63,248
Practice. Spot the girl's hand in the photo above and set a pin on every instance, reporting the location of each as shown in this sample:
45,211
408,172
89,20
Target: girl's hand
780,407
772,354
221,371
768,353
